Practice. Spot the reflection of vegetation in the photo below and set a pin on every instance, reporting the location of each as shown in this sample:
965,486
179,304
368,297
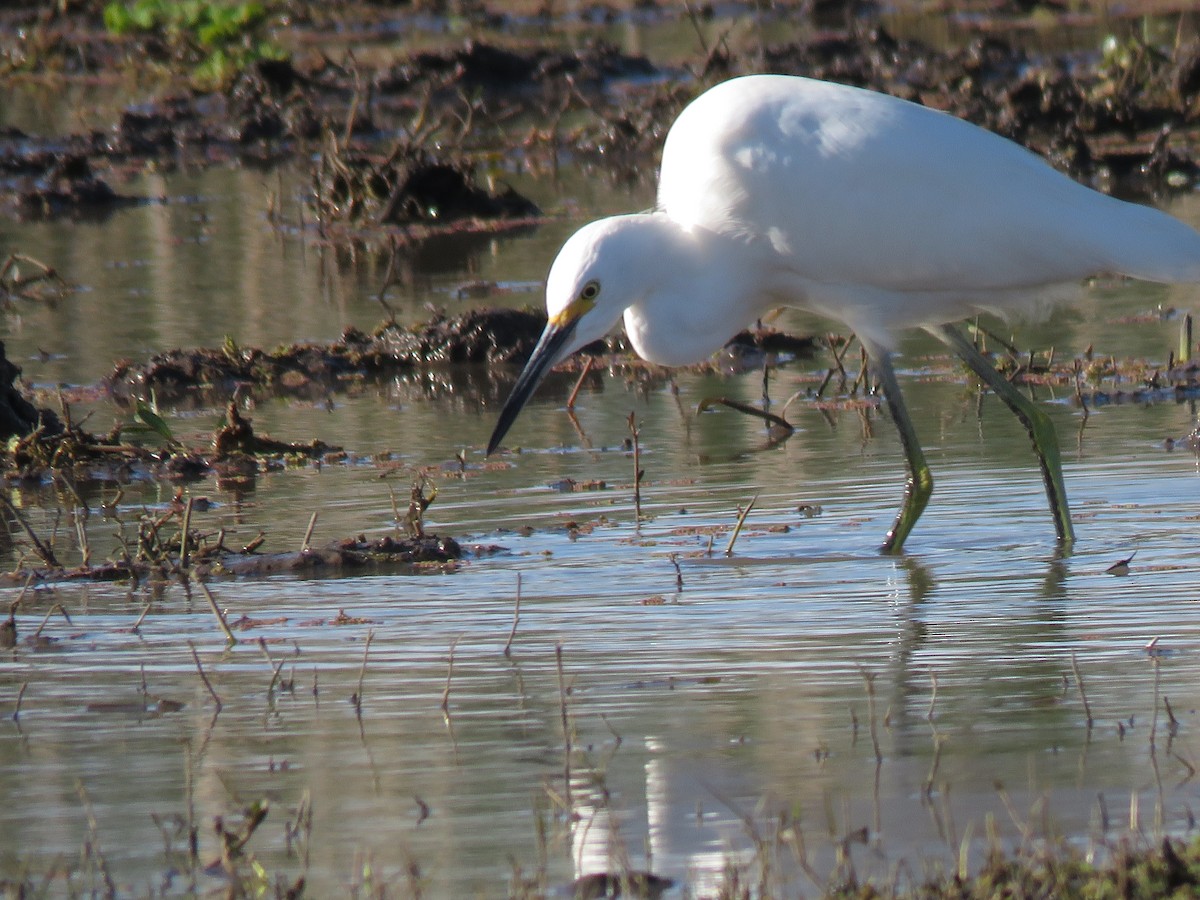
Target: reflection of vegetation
219,37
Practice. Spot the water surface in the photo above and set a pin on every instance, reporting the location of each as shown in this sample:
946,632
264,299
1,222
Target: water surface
725,722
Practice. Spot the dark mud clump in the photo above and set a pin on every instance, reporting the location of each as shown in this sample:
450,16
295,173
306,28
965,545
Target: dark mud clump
19,418
426,552
45,185
484,336
479,336
411,186
237,437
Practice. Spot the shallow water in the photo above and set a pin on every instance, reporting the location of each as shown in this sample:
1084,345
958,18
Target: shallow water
710,723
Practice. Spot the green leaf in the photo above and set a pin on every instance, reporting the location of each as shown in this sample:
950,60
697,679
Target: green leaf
117,19
154,421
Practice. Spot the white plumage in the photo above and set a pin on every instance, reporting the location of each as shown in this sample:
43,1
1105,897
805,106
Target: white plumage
876,212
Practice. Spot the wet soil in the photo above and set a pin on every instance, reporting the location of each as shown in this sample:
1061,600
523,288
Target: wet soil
394,141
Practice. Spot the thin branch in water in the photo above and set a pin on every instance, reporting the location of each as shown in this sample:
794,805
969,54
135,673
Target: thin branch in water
183,537
566,725
637,465
1170,715
587,368
56,607
1087,710
869,681
927,788
94,839
20,697
389,278
1156,656
516,619
276,668
737,529
216,611
449,676
362,673
312,523
40,548
769,417
204,678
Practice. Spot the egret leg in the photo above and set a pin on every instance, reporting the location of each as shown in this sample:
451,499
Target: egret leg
1036,422
920,480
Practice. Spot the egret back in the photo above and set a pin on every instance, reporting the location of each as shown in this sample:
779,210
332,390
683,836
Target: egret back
855,188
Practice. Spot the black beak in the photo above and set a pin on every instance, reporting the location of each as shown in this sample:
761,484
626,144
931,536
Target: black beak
547,352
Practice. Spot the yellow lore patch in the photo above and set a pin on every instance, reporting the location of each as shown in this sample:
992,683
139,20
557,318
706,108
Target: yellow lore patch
572,312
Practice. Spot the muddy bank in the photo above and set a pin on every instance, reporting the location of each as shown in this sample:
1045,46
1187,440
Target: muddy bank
209,559
410,142
477,338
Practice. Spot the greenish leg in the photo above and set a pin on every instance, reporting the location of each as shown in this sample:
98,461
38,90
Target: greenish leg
920,480
1036,422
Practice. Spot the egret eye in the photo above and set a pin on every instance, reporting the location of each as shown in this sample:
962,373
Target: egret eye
590,290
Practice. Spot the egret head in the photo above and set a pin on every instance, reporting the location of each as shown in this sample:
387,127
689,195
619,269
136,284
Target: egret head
590,285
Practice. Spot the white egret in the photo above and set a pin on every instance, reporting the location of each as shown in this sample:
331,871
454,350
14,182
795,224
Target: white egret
870,210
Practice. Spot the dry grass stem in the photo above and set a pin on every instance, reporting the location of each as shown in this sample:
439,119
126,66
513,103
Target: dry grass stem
566,724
